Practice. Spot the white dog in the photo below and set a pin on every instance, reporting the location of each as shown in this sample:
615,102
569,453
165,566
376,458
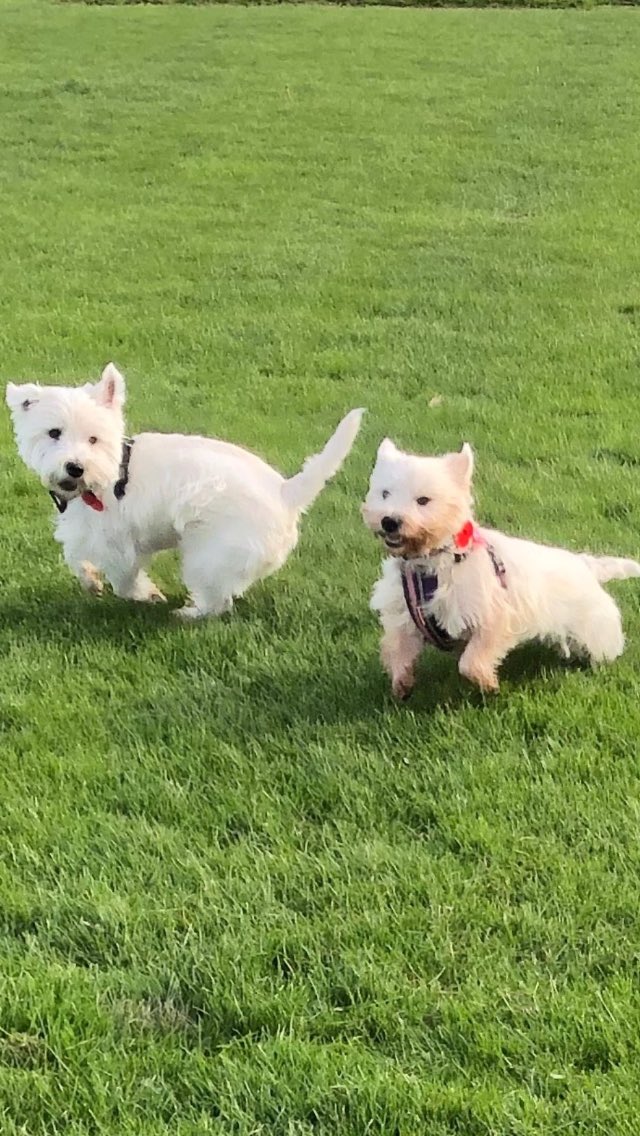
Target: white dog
449,581
233,517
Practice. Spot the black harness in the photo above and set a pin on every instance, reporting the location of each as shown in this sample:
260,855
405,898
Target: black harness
420,584
120,486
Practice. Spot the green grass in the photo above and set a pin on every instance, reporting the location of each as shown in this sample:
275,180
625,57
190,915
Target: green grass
548,4
397,3
240,891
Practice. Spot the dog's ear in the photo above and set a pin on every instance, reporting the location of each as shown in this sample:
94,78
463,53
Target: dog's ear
22,396
110,390
387,449
461,465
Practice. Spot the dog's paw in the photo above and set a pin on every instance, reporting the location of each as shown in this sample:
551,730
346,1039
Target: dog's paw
203,608
485,682
156,596
481,671
188,614
148,593
91,580
402,689
489,687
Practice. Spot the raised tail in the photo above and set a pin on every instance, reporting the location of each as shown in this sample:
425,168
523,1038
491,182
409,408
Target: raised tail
611,567
301,490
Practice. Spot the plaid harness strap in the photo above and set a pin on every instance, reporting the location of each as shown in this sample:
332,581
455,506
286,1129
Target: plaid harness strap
420,586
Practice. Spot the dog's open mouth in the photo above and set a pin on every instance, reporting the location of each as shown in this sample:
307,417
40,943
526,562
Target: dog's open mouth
392,540
68,484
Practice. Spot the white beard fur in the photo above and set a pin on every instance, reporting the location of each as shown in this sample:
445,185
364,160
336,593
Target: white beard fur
551,594
233,517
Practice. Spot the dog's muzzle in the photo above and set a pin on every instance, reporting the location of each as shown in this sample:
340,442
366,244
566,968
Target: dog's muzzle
392,541
389,532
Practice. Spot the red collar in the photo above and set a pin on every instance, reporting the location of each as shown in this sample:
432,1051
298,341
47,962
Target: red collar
469,537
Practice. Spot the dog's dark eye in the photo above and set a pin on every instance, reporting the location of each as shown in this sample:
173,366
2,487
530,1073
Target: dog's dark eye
55,434
423,500
385,494
92,440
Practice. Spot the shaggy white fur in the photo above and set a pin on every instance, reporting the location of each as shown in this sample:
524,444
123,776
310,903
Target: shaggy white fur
417,506
233,517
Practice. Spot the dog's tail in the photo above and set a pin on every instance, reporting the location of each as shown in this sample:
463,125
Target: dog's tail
301,490
611,567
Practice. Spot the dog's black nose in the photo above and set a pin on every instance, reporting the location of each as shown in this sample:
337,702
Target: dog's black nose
390,524
74,470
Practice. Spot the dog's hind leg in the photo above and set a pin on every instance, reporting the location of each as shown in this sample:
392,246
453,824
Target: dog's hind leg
214,572
482,656
598,630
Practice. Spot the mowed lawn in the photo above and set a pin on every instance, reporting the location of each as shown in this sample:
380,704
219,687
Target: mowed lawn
241,892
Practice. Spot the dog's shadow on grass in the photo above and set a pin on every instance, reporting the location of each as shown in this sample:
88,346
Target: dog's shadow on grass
49,617
361,692
534,661
339,692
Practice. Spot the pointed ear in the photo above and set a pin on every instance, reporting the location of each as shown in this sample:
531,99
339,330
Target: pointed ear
387,449
461,465
21,397
110,391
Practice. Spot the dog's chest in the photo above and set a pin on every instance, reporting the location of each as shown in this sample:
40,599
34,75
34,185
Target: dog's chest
420,587
441,600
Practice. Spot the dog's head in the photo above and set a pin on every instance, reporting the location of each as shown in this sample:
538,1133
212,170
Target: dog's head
71,436
417,504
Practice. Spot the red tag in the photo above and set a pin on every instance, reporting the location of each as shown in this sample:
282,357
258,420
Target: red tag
463,538
92,501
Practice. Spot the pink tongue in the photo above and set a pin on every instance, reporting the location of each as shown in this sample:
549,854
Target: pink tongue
90,499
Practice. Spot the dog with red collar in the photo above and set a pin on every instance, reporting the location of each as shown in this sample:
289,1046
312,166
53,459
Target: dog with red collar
447,581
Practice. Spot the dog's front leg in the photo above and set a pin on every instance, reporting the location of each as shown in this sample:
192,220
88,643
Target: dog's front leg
400,649
83,569
89,577
482,656
131,583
